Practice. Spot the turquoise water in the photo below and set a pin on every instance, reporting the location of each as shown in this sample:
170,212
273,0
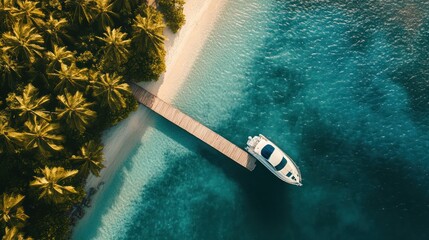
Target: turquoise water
343,88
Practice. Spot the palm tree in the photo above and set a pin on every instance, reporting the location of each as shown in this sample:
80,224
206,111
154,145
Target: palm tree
58,56
124,6
50,186
28,105
28,13
70,77
75,111
41,135
10,71
83,10
111,90
6,18
11,211
115,50
23,42
173,13
148,32
9,137
90,158
14,234
54,30
104,14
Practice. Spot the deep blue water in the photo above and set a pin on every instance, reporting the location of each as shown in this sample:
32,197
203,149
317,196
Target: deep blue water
342,87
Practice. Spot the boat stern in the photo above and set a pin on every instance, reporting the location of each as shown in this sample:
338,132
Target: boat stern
252,142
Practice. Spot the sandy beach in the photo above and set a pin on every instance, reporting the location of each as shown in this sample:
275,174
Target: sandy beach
183,47
182,51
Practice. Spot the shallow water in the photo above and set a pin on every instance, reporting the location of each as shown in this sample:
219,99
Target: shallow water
343,88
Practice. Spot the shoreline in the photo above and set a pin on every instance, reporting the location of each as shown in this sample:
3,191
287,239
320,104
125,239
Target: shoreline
182,49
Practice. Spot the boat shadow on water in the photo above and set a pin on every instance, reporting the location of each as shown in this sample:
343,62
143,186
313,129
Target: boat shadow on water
265,194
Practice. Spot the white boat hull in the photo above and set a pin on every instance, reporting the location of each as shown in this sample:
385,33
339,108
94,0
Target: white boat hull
287,172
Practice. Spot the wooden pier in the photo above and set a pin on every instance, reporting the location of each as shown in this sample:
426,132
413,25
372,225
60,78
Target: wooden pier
192,126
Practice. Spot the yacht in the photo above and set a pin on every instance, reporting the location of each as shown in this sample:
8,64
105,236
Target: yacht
273,158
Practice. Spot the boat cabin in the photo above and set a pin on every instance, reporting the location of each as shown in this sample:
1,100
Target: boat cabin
277,159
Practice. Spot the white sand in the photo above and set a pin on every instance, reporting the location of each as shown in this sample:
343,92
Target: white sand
182,50
183,47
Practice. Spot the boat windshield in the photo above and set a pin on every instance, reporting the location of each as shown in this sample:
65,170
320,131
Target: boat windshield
266,151
281,165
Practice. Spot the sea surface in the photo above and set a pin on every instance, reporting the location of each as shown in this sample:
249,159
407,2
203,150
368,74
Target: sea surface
341,86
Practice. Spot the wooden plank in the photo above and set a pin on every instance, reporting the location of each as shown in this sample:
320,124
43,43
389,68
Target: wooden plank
192,126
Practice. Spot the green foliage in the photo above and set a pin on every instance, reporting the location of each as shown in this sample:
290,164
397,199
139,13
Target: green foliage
86,58
53,222
69,77
148,62
104,14
115,49
10,71
27,12
75,110
173,13
63,72
148,43
11,213
54,30
148,30
13,234
9,137
90,158
82,11
6,18
111,90
58,56
28,105
49,184
41,135
125,7
23,42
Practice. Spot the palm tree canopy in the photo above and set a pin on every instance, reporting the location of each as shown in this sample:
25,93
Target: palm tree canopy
90,158
104,14
75,110
110,90
70,77
9,137
11,213
173,13
28,105
14,234
54,30
6,17
10,71
50,183
58,56
124,6
23,42
28,13
115,50
83,10
41,135
148,31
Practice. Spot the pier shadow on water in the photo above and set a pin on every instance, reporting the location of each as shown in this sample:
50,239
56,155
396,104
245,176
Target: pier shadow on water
204,188
340,87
